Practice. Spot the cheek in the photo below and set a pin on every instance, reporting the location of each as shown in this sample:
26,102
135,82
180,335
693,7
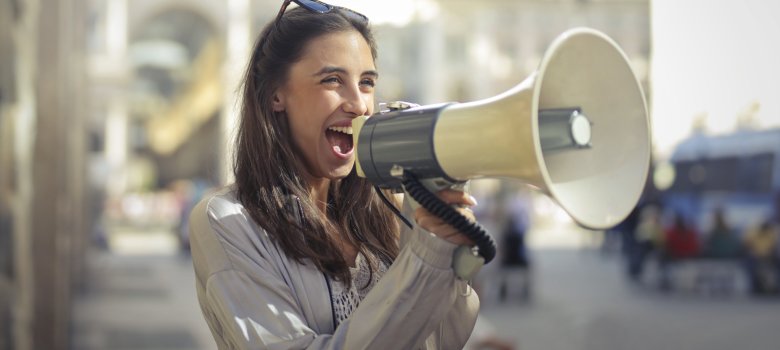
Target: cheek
297,127
307,117
370,100
370,103
305,127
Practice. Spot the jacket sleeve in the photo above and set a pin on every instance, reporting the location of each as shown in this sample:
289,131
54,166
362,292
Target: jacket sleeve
418,296
251,305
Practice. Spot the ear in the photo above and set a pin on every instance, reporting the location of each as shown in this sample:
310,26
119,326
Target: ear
278,102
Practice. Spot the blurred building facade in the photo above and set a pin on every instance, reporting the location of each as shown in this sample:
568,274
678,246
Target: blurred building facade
103,97
42,168
476,49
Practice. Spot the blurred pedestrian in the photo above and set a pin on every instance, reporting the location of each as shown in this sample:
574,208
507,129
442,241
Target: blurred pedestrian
761,258
680,242
514,257
722,242
649,239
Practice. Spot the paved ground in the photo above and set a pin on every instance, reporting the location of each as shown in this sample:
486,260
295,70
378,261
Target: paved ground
140,295
580,301
140,302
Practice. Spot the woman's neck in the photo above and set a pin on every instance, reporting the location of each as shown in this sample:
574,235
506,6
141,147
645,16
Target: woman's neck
318,190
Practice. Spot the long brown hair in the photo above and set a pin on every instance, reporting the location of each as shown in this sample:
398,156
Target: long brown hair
266,166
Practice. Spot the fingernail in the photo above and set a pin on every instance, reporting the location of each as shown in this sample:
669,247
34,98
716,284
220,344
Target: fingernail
472,200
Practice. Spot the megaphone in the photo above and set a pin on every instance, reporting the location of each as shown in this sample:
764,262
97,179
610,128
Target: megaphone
577,130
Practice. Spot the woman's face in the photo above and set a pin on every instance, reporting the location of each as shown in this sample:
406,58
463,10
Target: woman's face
329,86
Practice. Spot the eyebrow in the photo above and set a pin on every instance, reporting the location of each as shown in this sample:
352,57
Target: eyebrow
333,69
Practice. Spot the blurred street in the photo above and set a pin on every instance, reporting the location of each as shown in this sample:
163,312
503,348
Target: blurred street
137,299
580,300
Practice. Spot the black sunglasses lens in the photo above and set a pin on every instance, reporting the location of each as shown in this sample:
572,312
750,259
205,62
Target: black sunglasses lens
315,5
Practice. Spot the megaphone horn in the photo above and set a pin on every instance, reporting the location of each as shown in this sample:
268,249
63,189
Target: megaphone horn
577,129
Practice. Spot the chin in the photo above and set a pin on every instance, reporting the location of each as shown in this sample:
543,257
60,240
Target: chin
341,172
338,175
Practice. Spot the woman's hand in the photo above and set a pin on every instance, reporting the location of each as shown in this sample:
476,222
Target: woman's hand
437,226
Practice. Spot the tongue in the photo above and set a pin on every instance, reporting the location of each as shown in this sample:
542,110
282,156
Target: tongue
340,142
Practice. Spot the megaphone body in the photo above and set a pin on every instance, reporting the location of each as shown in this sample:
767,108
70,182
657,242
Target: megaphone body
577,130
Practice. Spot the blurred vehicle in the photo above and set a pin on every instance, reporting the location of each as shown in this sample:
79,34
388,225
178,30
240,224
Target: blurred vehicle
738,173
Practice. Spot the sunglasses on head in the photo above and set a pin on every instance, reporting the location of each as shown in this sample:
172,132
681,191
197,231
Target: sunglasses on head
320,7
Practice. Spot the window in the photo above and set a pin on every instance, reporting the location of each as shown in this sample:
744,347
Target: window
752,174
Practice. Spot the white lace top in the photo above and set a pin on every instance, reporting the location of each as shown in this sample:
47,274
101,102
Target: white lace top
344,300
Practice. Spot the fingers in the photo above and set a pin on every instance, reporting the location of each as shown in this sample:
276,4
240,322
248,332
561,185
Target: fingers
440,228
454,197
462,202
421,215
468,213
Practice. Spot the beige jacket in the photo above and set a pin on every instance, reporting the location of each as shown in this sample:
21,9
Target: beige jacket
254,297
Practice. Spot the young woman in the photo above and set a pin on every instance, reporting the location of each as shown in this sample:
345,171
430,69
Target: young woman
300,252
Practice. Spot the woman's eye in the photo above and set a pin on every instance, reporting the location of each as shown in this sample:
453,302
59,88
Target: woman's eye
368,82
330,80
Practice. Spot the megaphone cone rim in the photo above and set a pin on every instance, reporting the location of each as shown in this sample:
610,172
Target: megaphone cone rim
537,90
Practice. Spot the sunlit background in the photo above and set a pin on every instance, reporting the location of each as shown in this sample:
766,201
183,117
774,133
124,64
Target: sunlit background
117,116
713,67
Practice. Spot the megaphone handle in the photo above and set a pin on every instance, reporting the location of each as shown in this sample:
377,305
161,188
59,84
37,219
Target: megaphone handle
429,201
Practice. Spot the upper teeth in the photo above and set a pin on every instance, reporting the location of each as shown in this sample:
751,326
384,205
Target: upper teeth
344,129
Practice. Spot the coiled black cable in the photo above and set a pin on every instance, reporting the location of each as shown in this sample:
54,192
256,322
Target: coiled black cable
429,201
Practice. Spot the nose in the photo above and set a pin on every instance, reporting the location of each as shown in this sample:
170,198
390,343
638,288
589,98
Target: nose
355,102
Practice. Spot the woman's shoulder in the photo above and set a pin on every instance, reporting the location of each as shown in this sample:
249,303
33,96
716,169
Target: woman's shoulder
218,204
221,218
223,235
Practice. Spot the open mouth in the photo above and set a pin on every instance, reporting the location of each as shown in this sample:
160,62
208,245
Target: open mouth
340,139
